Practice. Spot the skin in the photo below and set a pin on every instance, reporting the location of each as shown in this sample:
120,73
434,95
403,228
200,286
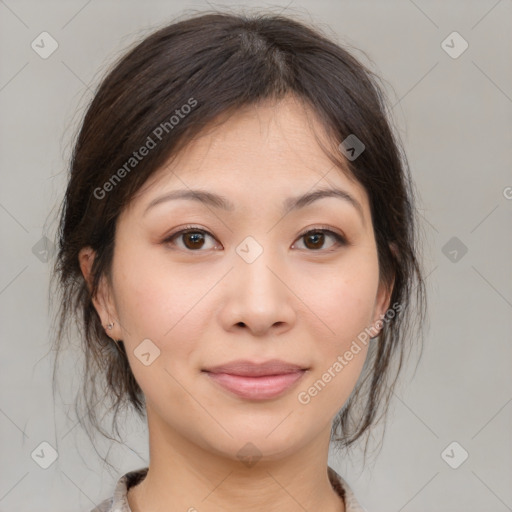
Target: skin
202,305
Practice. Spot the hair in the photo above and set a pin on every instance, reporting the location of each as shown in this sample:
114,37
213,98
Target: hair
217,63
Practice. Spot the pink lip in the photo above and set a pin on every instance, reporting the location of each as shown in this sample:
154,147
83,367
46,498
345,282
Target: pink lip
257,388
256,381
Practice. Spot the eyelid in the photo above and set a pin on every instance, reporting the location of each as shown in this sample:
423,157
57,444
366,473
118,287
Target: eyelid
323,227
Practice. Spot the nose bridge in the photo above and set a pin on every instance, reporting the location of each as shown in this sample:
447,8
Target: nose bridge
253,263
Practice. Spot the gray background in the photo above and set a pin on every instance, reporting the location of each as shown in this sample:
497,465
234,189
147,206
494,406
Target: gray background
454,115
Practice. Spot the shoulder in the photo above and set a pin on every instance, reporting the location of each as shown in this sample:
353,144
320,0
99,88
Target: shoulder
344,490
118,502
104,506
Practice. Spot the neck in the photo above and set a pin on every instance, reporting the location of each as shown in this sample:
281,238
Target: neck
183,476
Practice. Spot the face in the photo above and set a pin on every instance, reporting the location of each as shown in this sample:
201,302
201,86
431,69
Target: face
257,281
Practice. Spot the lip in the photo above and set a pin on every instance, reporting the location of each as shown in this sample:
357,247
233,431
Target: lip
246,368
256,381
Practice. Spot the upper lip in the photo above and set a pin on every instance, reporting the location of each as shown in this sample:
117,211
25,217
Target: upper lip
247,368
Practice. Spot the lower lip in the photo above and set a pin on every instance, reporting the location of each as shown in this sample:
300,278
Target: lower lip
256,388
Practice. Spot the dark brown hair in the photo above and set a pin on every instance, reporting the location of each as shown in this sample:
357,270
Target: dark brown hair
222,62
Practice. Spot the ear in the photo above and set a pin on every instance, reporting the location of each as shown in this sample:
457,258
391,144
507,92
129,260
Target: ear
383,297
102,301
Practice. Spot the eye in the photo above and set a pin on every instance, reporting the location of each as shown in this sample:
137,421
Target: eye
315,238
193,238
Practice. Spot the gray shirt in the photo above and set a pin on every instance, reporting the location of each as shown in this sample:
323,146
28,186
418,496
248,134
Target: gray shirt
118,502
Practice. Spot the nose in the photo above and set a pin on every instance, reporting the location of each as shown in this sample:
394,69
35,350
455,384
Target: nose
258,296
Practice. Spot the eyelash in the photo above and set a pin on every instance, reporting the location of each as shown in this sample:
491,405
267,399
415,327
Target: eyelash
341,241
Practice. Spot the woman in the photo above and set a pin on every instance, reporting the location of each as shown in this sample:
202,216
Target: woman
238,244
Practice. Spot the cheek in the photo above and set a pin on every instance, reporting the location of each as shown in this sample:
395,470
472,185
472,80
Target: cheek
157,304
350,309
343,298
345,307
160,303
152,297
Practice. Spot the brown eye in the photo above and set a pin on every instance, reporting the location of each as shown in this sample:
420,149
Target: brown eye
315,239
193,239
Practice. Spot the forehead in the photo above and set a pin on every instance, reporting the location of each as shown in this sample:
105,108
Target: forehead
260,152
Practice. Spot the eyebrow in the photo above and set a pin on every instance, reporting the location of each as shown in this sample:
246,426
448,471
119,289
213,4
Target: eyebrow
221,202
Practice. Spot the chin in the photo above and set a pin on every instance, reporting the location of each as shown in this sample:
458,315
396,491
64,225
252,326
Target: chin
257,444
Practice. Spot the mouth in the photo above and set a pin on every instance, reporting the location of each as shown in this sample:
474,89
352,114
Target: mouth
256,381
